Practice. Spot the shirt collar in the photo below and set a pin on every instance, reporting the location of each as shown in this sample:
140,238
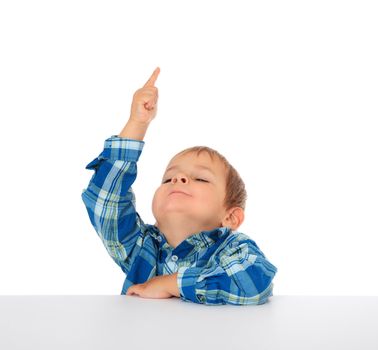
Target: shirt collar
200,240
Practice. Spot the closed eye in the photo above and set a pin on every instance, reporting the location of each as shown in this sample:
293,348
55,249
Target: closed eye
168,180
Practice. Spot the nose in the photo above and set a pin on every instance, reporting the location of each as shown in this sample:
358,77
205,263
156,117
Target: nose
181,178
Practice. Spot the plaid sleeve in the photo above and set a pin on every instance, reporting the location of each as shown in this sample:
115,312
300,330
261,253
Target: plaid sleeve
239,275
110,200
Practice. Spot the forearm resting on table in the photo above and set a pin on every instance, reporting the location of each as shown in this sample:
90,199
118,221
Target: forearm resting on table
171,284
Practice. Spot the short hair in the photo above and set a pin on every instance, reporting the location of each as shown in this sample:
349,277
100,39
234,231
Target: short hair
236,194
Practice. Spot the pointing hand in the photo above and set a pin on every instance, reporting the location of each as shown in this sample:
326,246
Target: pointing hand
144,105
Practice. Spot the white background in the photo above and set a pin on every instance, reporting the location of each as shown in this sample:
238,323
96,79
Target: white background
286,90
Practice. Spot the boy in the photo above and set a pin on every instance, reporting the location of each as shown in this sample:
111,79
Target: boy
193,251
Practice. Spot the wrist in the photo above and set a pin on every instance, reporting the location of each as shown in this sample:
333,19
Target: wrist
172,285
134,130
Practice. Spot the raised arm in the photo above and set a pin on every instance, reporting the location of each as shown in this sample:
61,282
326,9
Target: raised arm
109,198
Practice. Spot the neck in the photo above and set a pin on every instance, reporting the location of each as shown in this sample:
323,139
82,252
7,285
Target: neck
176,230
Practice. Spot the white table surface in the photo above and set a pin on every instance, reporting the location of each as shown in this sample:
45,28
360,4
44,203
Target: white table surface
130,322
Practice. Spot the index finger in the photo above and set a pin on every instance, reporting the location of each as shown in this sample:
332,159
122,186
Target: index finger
153,77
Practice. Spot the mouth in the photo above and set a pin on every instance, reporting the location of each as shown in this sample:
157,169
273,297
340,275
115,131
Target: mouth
179,192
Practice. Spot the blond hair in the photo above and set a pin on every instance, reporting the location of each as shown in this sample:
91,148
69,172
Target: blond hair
236,194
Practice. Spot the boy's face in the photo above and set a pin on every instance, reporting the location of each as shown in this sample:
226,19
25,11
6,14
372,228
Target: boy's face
193,188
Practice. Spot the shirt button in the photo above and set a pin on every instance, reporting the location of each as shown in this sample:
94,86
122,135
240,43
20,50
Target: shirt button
159,238
174,257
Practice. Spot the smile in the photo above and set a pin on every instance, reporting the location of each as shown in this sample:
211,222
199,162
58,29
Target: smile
179,192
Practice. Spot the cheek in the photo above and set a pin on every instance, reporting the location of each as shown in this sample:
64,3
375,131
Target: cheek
213,198
156,200
207,197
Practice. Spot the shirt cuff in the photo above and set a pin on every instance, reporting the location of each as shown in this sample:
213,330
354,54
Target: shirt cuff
186,281
118,148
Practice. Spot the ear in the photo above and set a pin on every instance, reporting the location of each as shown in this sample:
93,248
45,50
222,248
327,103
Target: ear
234,218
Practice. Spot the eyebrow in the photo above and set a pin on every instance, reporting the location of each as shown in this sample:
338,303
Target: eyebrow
197,166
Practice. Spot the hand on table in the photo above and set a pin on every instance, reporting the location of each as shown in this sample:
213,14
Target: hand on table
158,287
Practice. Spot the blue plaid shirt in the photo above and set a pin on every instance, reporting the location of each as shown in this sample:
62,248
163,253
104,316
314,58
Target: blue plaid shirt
214,267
